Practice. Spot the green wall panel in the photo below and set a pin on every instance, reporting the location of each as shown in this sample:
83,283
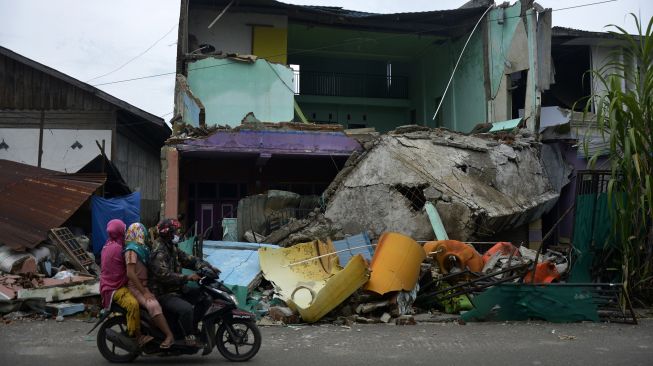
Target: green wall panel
231,89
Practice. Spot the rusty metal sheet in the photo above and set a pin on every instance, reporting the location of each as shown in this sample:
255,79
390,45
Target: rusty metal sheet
34,200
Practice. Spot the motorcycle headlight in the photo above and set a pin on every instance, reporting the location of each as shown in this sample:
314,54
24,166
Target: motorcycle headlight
234,299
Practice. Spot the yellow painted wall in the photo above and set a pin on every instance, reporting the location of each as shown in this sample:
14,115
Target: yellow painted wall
271,43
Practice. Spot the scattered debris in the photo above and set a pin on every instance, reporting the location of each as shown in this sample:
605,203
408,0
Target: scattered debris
284,314
315,287
405,320
65,309
16,262
67,241
565,337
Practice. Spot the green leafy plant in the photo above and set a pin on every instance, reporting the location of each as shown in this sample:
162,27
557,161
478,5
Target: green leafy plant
624,115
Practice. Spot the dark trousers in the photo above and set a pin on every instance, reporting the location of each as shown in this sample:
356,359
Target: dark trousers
185,310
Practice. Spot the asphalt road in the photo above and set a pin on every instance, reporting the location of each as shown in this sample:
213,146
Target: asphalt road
49,343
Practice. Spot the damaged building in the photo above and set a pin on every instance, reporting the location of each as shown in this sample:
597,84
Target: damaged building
250,74
53,121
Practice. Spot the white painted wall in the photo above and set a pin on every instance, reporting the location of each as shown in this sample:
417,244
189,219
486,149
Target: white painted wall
58,153
232,33
600,56
23,145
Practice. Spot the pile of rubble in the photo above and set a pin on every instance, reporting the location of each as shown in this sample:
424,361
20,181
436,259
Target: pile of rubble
481,186
41,279
376,248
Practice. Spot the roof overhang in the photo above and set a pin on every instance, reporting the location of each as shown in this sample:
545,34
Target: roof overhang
271,143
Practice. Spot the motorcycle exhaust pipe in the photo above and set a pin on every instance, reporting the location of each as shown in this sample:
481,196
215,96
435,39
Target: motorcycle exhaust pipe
121,341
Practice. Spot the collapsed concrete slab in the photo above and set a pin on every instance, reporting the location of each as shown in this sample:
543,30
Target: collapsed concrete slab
480,185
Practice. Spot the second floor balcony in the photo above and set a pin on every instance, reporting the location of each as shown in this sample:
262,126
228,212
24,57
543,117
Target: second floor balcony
336,84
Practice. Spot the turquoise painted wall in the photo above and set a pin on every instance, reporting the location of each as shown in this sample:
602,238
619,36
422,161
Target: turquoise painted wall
500,40
231,89
428,71
464,105
469,84
429,80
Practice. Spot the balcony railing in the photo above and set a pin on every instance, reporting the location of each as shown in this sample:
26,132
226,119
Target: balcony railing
350,85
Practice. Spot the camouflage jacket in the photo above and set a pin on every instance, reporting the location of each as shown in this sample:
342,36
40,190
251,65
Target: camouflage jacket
164,268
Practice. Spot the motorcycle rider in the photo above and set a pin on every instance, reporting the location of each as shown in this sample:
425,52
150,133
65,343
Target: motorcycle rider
183,304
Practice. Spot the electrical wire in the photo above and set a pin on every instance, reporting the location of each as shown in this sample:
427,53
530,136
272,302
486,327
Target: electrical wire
459,58
354,41
279,76
135,57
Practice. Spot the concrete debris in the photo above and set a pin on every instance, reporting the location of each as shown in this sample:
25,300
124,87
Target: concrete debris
368,308
34,285
252,237
364,320
405,320
386,318
479,185
16,262
265,213
314,226
284,314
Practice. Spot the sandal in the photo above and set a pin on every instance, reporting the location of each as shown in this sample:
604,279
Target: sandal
166,345
144,339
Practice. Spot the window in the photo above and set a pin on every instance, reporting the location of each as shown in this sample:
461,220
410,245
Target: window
295,79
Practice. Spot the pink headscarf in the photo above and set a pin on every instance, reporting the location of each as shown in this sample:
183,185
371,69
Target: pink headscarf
113,270
116,232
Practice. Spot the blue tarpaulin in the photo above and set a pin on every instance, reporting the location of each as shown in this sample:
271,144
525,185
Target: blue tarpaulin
238,261
126,208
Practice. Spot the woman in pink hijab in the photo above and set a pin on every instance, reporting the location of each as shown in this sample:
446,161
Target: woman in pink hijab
113,280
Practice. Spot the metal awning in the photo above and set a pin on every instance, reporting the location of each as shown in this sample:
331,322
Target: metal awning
34,200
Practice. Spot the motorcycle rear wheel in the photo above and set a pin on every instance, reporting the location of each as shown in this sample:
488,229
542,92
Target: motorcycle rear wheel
248,336
108,349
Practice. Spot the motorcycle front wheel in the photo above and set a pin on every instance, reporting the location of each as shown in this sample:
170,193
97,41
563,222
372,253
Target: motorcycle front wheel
243,345
114,352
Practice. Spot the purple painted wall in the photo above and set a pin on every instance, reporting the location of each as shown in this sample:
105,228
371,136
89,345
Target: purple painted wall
275,142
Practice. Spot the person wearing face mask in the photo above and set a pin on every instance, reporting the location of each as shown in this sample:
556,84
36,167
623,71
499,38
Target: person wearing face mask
184,305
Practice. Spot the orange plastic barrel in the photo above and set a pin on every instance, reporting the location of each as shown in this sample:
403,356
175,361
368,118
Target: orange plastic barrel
466,256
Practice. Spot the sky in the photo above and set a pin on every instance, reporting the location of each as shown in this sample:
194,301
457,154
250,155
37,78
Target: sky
87,39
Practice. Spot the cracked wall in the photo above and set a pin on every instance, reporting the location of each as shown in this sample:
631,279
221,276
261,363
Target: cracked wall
480,186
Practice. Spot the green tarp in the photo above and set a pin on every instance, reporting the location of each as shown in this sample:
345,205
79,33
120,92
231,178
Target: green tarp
591,234
553,303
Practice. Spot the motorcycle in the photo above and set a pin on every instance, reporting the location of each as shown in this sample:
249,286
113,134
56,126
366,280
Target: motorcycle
237,337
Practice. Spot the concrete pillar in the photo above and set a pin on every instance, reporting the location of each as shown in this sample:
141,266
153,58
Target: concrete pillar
169,182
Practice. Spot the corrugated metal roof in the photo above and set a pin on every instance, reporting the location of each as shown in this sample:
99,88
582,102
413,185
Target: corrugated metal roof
34,200
451,21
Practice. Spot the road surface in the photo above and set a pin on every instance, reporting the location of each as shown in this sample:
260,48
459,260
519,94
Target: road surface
50,343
